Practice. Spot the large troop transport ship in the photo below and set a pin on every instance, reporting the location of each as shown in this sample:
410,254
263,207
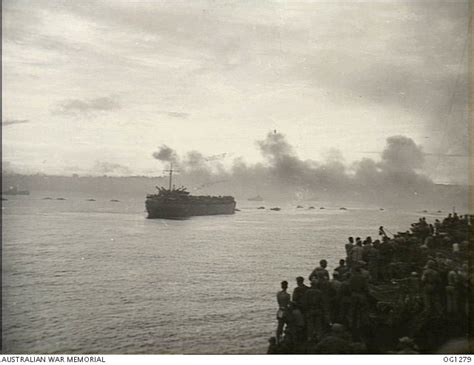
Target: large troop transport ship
175,203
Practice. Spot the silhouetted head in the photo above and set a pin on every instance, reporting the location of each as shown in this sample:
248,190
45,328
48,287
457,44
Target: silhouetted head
338,329
342,262
357,239
406,343
351,239
323,264
300,280
284,284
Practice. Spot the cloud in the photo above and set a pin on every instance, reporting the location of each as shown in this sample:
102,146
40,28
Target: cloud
8,122
235,63
87,106
173,114
19,22
103,167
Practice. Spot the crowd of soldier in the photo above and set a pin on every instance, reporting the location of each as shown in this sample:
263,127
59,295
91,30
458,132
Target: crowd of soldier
327,316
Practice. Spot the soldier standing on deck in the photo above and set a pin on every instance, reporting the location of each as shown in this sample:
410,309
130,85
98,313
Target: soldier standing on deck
283,299
359,291
349,245
320,273
299,291
314,311
431,284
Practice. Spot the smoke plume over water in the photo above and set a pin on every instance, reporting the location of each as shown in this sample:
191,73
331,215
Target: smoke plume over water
283,175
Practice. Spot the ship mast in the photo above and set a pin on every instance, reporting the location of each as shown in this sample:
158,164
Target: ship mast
171,174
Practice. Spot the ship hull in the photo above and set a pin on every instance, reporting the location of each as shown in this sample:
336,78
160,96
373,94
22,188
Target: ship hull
173,210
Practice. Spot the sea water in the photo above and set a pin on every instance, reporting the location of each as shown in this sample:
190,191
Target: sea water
84,276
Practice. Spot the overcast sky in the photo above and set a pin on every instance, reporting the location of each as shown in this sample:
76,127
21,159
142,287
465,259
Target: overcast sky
94,87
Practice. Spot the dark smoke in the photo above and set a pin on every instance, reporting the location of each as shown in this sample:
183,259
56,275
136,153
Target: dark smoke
283,175
402,154
397,172
165,154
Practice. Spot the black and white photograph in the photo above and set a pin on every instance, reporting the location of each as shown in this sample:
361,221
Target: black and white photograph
236,177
